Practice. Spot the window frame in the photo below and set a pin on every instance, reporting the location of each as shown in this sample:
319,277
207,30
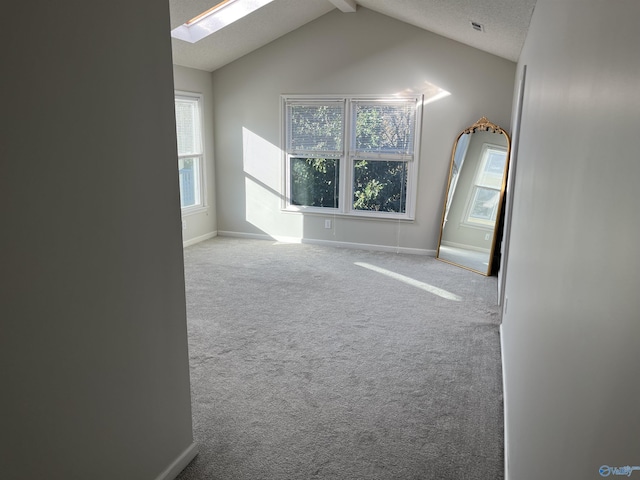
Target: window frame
349,155
201,191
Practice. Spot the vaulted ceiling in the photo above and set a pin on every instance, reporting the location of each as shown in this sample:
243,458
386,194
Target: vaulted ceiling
504,24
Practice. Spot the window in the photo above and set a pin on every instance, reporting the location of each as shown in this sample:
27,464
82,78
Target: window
219,16
482,208
190,150
352,155
314,143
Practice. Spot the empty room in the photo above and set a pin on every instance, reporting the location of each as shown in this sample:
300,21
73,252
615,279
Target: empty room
240,242
334,365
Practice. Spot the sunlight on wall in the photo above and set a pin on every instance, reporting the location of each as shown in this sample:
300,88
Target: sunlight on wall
431,92
262,163
261,160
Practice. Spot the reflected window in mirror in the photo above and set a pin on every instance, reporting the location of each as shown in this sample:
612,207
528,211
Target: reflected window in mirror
482,209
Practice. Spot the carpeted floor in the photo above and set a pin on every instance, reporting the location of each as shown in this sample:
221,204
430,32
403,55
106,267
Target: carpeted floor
307,363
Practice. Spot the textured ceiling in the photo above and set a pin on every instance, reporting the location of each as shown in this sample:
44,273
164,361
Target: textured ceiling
505,25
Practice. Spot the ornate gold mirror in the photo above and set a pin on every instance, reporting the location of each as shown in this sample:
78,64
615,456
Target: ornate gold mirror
475,192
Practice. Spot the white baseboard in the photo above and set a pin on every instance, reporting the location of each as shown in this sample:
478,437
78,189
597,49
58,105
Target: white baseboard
331,243
255,236
199,239
504,406
465,247
172,471
368,246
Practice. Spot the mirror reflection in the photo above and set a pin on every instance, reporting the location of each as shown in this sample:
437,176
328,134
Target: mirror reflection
474,197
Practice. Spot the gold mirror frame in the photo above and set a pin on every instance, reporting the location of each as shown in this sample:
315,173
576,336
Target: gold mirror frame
475,248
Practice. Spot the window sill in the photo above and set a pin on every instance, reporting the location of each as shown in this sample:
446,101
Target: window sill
189,211
365,215
475,226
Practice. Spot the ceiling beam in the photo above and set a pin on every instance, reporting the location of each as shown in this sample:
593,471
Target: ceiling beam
346,6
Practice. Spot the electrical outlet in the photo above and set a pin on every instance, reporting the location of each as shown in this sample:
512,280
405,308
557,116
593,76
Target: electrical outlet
184,224
327,223
486,237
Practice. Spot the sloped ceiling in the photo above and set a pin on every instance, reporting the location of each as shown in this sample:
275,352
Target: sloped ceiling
505,24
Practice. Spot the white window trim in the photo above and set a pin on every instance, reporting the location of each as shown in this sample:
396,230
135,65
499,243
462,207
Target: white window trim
346,159
203,204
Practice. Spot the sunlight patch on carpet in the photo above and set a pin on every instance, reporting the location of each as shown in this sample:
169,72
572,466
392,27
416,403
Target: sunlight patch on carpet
411,281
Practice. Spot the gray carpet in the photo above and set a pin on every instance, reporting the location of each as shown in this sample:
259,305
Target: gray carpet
305,365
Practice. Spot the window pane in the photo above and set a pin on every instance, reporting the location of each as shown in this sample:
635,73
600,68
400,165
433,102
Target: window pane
492,171
380,186
316,128
189,174
314,182
484,207
188,126
384,127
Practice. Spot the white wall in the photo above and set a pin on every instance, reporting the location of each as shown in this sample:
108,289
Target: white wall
93,347
361,53
571,326
201,224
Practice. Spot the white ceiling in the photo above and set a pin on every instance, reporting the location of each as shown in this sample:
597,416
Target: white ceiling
505,25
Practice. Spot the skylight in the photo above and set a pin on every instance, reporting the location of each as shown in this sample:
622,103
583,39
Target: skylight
217,17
